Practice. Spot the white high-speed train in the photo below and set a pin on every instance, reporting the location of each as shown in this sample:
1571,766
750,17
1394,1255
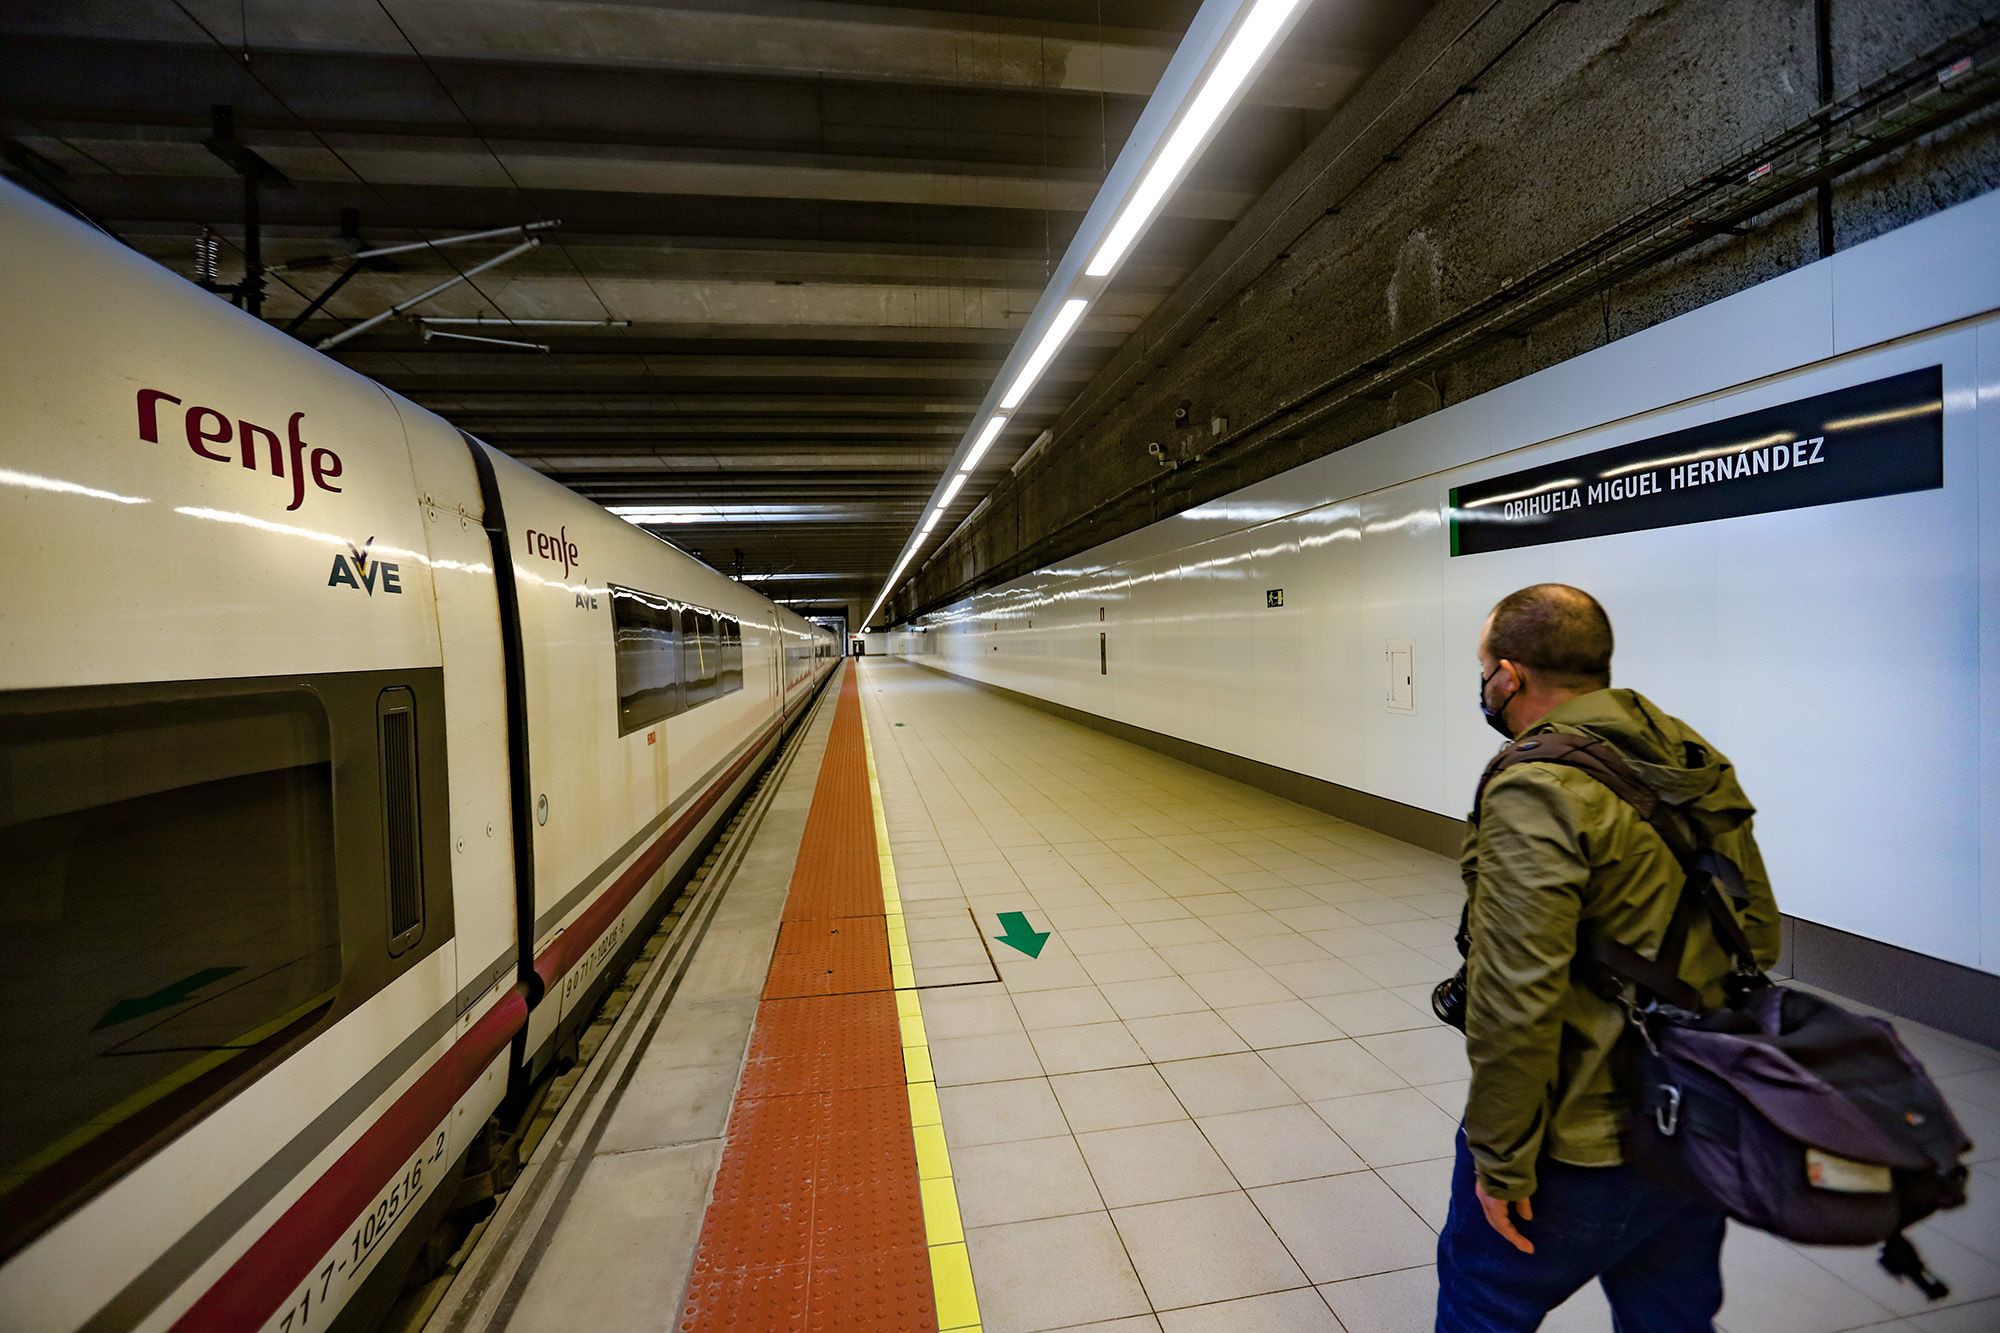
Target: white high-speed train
315,833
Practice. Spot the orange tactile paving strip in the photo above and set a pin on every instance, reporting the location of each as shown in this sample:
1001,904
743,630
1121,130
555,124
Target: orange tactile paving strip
817,1218
837,874
835,956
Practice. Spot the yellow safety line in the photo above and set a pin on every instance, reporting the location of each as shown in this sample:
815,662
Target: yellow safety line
951,1267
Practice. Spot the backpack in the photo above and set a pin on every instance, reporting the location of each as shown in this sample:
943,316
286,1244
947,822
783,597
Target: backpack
1779,1108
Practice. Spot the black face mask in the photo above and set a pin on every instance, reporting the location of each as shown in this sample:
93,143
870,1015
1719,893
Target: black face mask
1495,717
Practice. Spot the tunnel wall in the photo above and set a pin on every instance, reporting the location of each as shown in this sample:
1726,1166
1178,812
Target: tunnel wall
1498,136
1845,656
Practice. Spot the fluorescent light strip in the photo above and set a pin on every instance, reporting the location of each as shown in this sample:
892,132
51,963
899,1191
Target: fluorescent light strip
1217,92
1038,360
951,491
985,442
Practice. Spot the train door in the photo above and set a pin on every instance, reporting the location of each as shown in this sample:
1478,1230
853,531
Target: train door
778,664
474,655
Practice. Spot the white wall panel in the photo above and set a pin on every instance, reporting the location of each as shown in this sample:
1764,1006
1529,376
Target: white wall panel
1766,330
1849,633
1153,642
1402,534
1237,598
1328,608
1847,656
1987,468
1942,269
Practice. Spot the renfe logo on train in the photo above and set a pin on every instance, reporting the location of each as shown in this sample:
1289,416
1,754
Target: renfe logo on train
559,548
1885,437
257,448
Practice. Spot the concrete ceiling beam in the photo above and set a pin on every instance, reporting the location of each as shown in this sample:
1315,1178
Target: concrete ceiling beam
981,348
464,162
660,371
217,201
814,467
801,307
721,434
686,406
702,258
800,38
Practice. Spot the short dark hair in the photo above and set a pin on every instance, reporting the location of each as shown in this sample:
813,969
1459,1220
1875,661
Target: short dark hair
1555,629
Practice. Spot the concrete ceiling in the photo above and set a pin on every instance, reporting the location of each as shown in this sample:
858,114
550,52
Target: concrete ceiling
821,223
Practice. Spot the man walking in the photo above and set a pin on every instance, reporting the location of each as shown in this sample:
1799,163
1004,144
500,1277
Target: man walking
1541,1202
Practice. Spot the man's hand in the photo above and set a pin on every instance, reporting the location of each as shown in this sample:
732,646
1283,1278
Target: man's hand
1498,1218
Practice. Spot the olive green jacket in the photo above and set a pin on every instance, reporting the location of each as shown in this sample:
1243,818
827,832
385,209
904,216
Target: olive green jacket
1552,847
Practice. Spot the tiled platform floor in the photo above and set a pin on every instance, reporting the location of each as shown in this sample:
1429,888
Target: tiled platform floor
1218,1100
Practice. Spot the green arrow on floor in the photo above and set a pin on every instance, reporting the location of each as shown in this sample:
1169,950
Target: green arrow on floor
1022,935
166,997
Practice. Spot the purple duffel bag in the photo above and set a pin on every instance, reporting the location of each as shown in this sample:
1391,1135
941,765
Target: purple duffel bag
1797,1117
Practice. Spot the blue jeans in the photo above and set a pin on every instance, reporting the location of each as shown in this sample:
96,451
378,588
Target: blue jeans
1658,1255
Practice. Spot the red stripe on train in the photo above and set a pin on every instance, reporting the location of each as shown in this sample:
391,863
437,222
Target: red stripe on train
271,1269
267,1273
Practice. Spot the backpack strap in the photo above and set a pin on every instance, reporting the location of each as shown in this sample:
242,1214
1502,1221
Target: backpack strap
1707,872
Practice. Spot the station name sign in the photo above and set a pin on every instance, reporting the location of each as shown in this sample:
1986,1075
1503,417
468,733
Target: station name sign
1884,437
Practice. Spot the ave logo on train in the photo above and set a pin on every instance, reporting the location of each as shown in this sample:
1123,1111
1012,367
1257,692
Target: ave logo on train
356,570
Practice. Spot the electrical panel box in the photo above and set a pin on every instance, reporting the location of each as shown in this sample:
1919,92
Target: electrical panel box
1399,657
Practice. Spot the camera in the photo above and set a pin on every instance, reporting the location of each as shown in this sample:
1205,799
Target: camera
1448,1000
1448,996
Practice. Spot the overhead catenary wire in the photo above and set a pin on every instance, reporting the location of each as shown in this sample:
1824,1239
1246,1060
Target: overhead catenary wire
479,338
242,62
526,322
487,144
383,251
399,307
140,183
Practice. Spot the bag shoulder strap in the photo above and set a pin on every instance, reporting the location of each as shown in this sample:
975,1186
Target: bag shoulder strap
1704,869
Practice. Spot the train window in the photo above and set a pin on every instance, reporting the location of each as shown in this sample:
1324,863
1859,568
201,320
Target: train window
646,641
169,920
698,664
403,862
670,657
732,656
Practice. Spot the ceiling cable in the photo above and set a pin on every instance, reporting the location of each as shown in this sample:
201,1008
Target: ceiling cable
213,240
485,143
304,124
